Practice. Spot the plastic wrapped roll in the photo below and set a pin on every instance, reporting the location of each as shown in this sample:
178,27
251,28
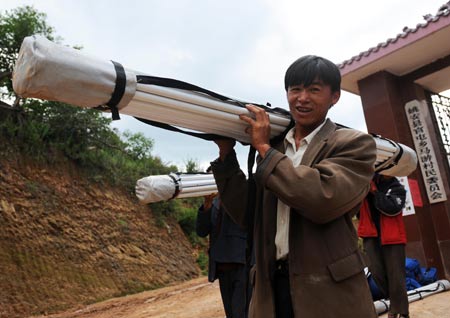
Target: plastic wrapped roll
49,71
166,187
383,305
394,159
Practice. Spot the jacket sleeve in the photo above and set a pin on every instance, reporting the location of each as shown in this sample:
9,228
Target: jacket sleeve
335,182
232,185
390,199
203,222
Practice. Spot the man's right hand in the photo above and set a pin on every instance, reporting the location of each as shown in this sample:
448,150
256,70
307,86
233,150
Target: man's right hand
208,199
226,146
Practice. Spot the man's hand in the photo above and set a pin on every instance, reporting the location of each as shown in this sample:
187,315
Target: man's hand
258,129
226,145
208,199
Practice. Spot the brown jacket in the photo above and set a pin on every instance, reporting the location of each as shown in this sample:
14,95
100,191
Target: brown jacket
324,192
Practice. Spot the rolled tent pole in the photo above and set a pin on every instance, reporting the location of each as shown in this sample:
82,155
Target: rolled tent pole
196,183
401,160
149,191
175,94
49,71
205,188
232,118
189,121
158,188
196,195
383,305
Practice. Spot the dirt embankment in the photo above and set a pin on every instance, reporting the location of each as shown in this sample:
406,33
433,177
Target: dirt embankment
66,241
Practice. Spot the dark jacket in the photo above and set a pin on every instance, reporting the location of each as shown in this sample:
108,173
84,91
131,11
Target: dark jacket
326,268
227,241
381,212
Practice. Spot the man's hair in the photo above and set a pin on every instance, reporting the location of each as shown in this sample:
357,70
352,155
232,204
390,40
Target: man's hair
310,68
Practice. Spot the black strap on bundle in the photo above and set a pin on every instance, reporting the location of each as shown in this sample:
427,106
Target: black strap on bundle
251,203
177,185
173,83
119,90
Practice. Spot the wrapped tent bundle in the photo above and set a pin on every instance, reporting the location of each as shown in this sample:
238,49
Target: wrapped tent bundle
165,187
383,305
49,71
151,189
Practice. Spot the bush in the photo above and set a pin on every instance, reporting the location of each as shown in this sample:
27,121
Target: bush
202,261
84,136
187,220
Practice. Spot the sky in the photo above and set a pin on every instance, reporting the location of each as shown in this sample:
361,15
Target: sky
239,48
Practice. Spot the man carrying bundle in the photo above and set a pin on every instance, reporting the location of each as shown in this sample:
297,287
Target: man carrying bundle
227,255
308,187
384,237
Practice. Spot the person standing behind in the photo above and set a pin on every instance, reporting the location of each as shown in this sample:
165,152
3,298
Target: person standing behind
384,237
308,188
227,255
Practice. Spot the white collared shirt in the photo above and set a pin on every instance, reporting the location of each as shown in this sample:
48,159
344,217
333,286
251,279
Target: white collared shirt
283,210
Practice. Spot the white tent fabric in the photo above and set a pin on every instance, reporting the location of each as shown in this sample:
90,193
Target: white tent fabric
153,189
382,306
49,71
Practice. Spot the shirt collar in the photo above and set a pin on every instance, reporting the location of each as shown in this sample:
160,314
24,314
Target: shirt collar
289,139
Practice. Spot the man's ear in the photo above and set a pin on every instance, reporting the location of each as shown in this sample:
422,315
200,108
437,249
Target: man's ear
335,97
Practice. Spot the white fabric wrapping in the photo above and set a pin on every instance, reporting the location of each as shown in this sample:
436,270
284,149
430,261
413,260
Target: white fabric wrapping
50,71
382,306
153,189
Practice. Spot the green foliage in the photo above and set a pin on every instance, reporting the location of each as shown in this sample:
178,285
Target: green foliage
202,261
138,146
43,129
15,25
187,220
163,209
192,166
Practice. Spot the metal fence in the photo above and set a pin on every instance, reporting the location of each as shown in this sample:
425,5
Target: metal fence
441,113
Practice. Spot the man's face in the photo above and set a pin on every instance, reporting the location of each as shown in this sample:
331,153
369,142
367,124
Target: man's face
309,105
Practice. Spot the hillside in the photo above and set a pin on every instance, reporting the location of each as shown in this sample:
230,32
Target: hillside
66,241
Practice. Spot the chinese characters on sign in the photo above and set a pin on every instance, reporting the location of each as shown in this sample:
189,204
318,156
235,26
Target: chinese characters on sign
416,112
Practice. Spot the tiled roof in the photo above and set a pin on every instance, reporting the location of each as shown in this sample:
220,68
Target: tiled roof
443,11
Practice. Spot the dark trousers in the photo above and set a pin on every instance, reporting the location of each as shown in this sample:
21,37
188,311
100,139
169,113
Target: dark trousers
387,265
282,291
233,290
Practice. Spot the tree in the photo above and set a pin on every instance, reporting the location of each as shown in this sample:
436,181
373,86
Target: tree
15,25
139,146
192,166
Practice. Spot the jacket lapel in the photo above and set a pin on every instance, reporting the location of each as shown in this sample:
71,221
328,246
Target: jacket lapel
317,143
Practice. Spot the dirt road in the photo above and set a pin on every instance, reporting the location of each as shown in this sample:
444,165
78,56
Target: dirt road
192,299
200,299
